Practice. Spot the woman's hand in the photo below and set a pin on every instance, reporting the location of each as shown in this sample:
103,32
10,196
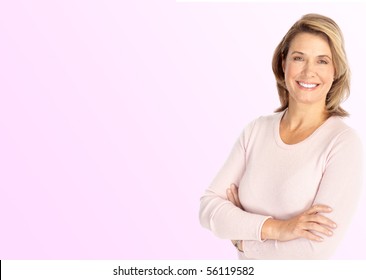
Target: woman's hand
308,224
233,196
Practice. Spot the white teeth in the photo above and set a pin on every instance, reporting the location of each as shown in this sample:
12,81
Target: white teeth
307,85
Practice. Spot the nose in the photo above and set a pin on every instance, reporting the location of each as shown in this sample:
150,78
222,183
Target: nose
309,69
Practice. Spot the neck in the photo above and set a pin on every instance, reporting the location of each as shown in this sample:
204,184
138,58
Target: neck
299,118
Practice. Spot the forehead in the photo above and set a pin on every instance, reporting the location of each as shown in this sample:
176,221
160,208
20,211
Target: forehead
311,44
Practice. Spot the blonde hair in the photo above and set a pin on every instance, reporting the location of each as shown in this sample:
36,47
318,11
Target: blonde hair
328,29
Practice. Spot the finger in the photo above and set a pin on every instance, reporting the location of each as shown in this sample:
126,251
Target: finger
318,208
240,245
311,236
230,196
318,228
322,220
234,190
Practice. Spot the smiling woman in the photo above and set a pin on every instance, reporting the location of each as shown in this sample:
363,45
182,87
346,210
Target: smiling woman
308,68
309,75
330,52
291,183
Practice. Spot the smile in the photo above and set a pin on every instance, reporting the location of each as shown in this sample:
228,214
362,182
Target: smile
307,86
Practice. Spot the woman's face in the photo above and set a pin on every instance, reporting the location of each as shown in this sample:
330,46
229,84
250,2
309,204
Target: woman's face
309,70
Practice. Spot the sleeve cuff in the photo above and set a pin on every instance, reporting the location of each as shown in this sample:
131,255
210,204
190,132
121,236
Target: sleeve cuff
259,234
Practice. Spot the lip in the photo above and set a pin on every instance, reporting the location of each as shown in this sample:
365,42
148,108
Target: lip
307,88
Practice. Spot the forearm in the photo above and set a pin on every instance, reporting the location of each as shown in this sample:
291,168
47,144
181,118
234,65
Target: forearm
227,221
284,241
288,250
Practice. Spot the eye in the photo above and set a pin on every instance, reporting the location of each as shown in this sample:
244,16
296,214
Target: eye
322,61
297,58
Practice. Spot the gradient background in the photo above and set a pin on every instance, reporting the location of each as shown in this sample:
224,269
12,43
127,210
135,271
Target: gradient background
116,115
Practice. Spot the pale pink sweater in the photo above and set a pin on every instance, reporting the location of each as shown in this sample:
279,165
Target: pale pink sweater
280,181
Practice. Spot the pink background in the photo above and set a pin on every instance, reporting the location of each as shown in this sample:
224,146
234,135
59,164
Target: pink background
116,115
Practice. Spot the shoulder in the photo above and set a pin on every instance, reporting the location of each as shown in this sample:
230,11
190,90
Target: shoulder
341,132
264,121
260,126
344,142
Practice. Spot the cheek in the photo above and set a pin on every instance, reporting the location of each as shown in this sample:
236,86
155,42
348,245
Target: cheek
327,77
292,70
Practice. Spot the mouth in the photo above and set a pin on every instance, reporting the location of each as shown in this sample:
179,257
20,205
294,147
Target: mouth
308,86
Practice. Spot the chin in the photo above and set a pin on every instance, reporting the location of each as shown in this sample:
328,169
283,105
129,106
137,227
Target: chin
309,100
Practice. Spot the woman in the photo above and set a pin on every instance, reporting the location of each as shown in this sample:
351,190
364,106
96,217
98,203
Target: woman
299,170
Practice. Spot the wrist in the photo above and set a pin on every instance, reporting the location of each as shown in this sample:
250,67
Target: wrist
270,229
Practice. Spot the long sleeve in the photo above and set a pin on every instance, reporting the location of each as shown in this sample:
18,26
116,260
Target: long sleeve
217,213
339,188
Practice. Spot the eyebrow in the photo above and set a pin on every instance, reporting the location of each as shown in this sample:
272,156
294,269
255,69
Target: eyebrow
320,56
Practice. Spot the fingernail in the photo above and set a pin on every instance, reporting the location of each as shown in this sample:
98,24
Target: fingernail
334,225
330,232
320,239
330,209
